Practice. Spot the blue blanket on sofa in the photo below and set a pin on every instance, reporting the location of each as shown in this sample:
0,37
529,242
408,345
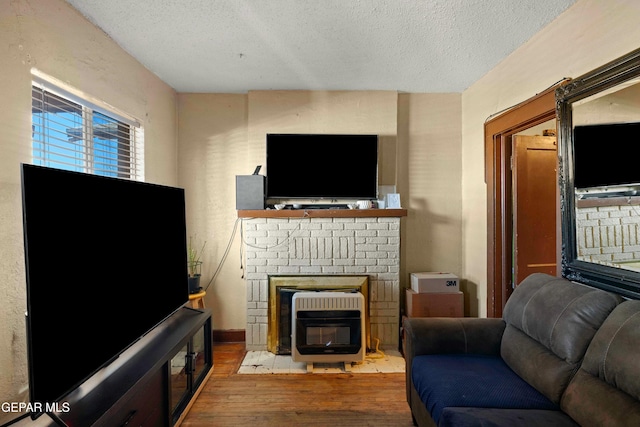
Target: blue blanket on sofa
472,381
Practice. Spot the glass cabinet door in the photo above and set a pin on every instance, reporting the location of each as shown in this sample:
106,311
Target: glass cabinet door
199,355
179,378
188,368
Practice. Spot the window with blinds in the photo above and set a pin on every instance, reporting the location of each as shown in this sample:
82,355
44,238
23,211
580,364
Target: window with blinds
69,133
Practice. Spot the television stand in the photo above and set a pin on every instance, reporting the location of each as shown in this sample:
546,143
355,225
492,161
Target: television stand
153,383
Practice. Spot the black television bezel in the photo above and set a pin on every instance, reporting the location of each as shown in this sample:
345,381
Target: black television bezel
175,299
298,175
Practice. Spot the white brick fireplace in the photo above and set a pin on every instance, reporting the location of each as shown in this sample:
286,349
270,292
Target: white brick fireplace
322,244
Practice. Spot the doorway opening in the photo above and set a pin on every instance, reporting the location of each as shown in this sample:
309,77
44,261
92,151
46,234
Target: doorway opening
499,133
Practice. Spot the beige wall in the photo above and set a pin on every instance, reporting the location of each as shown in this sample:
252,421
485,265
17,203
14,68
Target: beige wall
212,129
587,35
52,37
429,179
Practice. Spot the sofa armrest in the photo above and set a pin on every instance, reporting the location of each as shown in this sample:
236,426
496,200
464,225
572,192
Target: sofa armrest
440,335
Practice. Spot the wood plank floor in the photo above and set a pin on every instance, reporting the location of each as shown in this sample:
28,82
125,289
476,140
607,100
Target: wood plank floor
231,399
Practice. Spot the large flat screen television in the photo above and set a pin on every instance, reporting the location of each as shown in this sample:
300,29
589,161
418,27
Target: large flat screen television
106,261
321,166
604,155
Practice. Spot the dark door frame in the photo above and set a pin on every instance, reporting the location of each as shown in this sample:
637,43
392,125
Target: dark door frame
497,133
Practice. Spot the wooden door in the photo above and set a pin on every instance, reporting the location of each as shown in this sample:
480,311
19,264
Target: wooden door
535,184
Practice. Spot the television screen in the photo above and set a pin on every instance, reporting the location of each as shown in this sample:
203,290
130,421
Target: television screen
317,166
106,261
604,155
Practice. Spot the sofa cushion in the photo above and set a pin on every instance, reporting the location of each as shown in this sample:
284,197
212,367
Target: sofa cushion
550,322
606,389
488,417
471,381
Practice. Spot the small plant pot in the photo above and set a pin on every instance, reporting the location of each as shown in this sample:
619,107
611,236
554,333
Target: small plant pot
194,284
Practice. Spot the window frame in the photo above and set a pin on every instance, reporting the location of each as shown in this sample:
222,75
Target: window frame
108,143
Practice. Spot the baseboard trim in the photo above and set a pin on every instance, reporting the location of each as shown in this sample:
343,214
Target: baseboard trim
228,335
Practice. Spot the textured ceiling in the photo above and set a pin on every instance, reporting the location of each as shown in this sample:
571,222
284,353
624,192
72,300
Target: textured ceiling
401,45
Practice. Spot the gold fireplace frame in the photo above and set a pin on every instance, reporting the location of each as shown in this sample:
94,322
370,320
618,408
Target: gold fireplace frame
335,283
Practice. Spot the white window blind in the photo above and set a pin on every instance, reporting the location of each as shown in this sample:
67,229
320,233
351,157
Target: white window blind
73,134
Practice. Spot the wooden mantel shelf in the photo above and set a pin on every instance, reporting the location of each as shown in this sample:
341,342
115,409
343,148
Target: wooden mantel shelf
322,213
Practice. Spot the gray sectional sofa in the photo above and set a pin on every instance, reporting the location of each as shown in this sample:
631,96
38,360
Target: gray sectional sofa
563,354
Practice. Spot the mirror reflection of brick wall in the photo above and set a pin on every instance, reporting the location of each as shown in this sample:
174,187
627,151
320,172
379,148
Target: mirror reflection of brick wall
610,232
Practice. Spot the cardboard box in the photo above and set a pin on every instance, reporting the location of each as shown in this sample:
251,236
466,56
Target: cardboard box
435,282
435,304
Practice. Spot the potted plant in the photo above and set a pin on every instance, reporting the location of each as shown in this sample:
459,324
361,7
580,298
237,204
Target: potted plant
194,265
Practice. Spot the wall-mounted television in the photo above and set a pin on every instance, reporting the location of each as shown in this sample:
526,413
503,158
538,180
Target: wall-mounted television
106,261
322,166
604,156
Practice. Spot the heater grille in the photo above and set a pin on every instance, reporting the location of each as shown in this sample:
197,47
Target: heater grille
328,301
